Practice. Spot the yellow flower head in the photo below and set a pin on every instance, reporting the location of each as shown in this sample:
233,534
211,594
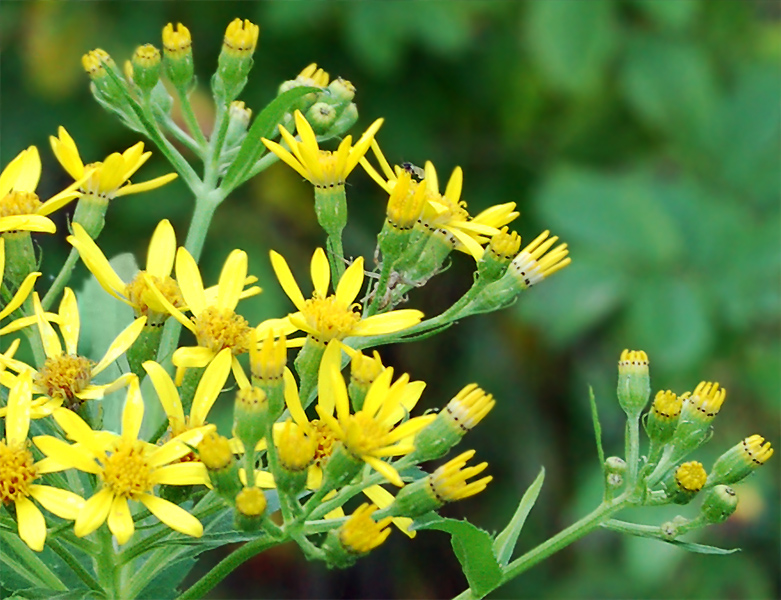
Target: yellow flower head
241,37
215,323
448,482
108,179
67,377
322,168
445,213
374,432
20,207
327,317
95,61
534,263
128,469
18,472
361,534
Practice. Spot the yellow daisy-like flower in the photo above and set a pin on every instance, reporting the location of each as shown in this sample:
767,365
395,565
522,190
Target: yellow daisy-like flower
323,317
18,471
110,178
209,387
322,168
445,213
66,377
128,468
374,432
21,294
20,207
214,323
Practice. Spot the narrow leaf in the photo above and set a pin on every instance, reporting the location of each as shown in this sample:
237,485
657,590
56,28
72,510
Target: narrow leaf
263,127
597,427
701,548
504,544
473,548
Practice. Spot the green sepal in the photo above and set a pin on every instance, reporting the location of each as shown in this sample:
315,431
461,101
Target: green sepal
192,378
340,469
144,348
307,364
505,542
90,213
20,257
331,209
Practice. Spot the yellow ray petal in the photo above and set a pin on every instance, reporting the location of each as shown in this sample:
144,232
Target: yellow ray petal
120,345
209,387
145,186
396,320
166,391
17,420
62,503
286,280
97,262
94,513
35,223
293,402
169,513
32,527
133,412
186,473
162,250
192,357
51,343
320,272
385,470
231,282
67,153
189,278
70,323
120,523
351,283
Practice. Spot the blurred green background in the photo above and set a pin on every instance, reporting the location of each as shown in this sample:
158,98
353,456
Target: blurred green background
644,132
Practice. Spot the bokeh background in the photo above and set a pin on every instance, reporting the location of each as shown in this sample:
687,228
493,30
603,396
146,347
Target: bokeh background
644,132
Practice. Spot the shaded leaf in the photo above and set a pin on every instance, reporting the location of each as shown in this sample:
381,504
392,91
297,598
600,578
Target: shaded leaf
505,542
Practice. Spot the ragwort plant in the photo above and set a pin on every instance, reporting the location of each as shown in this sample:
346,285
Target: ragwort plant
325,460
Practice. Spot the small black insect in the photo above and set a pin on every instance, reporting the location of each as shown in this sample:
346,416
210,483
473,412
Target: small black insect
414,170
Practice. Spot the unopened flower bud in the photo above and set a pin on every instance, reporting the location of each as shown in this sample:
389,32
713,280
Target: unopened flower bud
719,504
740,461
684,483
296,451
250,415
267,359
214,451
238,121
321,117
178,55
250,505
342,91
357,536
698,410
235,60
501,250
146,67
663,417
95,63
634,383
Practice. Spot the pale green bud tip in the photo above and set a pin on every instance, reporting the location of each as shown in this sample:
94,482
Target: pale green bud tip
449,482
690,476
94,61
469,407
342,90
215,452
615,464
666,406
177,43
406,202
360,534
535,262
321,116
241,38
239,113
296,450
719,504
707,399
269,357
146,57
365,369
251,502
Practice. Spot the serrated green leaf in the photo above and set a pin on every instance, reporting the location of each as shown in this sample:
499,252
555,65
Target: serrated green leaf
504,544
263,127
474,549
701,548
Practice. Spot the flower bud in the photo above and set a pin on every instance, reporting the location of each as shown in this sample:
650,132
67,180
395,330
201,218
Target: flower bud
178,55
663,417
615,468
238,121
105,89
719,504
250,504
342,91
363,371
20,253
235,60
296,451
267,361
146,67
684,483
250,415
447,484
501,250
461,414
357,536
740,461
698,410
634,383
341,467
214,451
321,117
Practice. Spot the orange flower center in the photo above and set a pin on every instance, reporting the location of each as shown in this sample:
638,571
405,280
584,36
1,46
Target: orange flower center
65,376
19,203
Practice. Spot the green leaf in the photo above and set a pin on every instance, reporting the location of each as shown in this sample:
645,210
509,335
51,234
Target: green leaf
49,594
572,41
474,549
701,548
597,427
263,127
504,544
670,13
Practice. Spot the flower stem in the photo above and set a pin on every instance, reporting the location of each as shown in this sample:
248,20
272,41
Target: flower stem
61,280
105,565
227,565
189,118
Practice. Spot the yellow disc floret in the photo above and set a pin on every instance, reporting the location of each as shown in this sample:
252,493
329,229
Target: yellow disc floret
19,203
690,476
218,328
127,472
64,376
330,318
17,471
144,300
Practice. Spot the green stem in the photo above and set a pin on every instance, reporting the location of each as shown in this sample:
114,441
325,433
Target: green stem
380,289
190,120
61,280
215,149
179,133
74,564
105,564
227,566
335,257
632,450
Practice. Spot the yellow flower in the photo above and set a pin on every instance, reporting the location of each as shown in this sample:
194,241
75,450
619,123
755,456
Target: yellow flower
374,432
241,37
20,207
66,377
128,468
21,294
111,178
361,533
323,317
18,471
446,213
311,76
322,168
209,387
214,323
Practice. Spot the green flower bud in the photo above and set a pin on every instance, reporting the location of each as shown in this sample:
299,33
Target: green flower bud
615,468
342,91
341,468
740,461
663,417
296,452
405,205
146,67
238,121
363,371
719,504
345,120
103,87
250,505
684,483
634,383
215,453
461,414
321,117
267,360
235,60
500,252
178,55
698,410
250,415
